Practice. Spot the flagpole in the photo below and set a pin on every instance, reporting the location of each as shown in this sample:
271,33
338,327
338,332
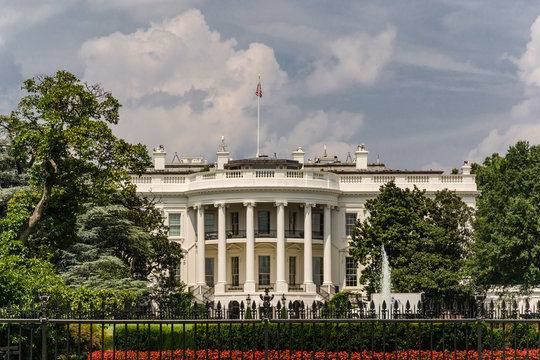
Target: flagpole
258,118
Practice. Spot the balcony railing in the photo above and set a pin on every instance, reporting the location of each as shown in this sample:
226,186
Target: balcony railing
261,287
241,234
294,233
272,233
234,288
235,234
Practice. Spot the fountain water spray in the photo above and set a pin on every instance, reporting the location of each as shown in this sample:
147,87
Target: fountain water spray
386,283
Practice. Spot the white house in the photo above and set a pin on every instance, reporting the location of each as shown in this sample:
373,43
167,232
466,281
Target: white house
284,224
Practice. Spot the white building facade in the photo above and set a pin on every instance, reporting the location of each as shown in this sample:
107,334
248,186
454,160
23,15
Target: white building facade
282,224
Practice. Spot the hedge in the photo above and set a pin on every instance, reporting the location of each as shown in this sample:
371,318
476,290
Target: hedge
339,337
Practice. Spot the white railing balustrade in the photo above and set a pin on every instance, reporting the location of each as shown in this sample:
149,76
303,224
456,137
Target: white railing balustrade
295,174
350,179
174,179
297,178
383,179
418,179
264,173
451,179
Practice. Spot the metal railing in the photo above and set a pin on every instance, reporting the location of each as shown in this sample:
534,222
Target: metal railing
270,330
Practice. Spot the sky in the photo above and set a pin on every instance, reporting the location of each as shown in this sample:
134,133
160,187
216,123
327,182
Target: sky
423,84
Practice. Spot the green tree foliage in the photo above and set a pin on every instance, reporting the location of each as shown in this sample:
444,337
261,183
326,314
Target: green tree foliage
80,211
61,126
13,173
506,251
426,239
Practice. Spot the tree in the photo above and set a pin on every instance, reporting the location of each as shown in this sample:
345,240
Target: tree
61,128
60,136
13,174
506,250
426,238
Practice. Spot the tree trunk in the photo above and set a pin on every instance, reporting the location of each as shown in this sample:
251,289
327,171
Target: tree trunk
38,212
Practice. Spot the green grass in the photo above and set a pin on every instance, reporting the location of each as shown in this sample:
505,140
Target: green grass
143,330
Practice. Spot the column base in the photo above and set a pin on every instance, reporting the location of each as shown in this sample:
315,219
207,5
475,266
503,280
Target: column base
282,287
310,287
249,287
219,288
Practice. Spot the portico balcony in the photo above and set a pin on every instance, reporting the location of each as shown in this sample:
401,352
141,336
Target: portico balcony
272,233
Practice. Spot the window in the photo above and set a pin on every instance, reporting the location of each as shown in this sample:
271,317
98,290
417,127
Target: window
292,222
174,224
318,270
264,222
317,224
350,272
350,219
264,270
209,271
292,270
234,223
177,272
235,270
209,226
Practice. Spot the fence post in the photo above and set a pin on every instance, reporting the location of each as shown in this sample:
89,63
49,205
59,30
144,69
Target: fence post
479,319
43,319
266,312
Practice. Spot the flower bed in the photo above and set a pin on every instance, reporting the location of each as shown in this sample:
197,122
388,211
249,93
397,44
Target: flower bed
310,355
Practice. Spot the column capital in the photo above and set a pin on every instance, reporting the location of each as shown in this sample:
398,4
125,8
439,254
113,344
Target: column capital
308,205
250,203
220,204
197,206
280,202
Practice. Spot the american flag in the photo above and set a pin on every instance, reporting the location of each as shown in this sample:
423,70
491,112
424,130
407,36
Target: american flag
259,90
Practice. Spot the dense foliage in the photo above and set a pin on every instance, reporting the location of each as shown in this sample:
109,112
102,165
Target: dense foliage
79,215
339,336
426,238
506,250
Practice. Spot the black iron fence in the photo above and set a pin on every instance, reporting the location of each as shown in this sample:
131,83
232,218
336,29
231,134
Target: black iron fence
269,330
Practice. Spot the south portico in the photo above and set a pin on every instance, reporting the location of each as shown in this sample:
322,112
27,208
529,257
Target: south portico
273,240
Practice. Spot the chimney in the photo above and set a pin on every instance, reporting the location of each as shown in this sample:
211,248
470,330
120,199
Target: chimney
466,168
222,155
222,159
361,157
298,155
159,158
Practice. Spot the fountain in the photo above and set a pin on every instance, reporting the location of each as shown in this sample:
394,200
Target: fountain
386,295
386,282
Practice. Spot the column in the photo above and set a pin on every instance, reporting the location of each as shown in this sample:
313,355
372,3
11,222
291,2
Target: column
327,248
281,283
222,250
200,245
249,285
309,286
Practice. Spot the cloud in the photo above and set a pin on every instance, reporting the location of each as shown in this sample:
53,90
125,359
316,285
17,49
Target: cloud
184,86
20,15
499,142
529,63
524,118
336,130
436,61
351,60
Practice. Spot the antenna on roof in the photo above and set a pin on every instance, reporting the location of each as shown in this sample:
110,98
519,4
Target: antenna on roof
325,150
349,158
176,157
377,158
222,146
